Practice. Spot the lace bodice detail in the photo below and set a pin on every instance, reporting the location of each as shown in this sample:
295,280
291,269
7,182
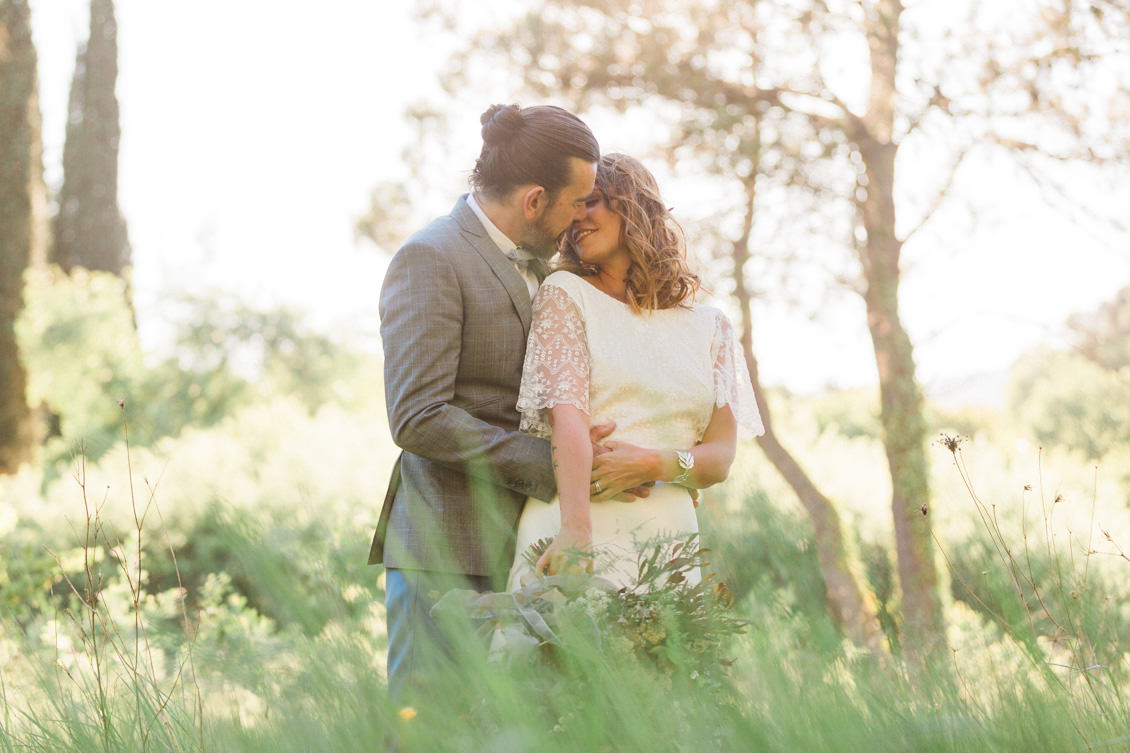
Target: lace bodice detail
556,370
658,374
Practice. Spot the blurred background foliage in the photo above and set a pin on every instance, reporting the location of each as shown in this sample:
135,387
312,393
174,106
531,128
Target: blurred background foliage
225,356
259,454
220,434
263,449
1067,400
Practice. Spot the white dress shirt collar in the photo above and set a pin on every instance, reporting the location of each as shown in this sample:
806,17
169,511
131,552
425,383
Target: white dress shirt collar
505,245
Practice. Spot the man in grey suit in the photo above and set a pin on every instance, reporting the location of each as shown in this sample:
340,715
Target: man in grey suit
455,315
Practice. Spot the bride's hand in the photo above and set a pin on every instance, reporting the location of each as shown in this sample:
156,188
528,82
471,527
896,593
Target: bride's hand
596,435
569,552
624,467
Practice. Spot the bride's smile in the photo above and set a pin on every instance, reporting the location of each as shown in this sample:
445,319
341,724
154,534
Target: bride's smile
597,236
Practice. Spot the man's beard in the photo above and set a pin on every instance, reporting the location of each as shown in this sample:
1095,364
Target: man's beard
542,243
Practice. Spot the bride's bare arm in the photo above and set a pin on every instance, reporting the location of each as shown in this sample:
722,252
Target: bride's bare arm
572,460
628,465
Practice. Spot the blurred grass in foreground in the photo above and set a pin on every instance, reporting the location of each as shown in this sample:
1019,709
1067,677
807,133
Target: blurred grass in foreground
245,619
170,670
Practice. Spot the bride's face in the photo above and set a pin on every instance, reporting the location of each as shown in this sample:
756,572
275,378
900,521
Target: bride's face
597,236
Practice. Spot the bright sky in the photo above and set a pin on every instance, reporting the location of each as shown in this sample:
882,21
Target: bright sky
254,130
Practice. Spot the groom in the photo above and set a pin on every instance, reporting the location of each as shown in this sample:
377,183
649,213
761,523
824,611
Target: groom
455,313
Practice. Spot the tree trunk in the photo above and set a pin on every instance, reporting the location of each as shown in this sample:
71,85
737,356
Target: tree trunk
901,415
89,229
21,206
851,605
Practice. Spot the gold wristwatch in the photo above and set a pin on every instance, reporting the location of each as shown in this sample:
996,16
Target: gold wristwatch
686,462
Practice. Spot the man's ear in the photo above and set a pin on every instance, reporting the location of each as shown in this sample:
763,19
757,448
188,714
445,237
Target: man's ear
534,202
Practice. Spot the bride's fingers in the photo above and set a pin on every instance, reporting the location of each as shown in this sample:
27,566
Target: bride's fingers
607,494
599,487
635,494
542,565
598,490
605,488
606,478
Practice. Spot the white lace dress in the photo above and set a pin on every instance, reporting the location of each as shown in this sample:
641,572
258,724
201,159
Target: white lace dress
657,374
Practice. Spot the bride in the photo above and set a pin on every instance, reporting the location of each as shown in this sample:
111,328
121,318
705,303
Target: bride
617,337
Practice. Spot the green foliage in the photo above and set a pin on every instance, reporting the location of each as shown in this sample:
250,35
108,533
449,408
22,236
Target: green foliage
275,349
78,341
83,356
27,572
250,621
236,665
764,552
1065,400
243,684
234,598
294,572
851,413
1103,335
1043,585
1042,600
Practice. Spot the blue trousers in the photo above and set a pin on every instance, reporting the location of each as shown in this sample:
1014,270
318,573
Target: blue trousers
422,646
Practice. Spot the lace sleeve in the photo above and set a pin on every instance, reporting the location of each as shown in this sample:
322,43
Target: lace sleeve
732,384
556,370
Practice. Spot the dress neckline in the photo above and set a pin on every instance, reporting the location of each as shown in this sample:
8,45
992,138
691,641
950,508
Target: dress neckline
603,293
626,305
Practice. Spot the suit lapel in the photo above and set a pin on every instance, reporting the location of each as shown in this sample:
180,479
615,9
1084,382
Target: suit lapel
476,236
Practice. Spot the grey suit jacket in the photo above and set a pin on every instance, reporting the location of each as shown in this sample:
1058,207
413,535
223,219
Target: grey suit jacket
455,315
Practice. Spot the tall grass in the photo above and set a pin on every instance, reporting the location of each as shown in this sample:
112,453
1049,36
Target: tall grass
1037,634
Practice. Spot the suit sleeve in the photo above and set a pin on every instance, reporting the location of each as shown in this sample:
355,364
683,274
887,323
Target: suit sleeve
421,309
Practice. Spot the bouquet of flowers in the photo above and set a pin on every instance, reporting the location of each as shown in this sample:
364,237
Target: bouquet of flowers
666,620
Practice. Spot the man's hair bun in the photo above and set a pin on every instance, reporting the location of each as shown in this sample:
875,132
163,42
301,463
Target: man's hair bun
501,122
530,146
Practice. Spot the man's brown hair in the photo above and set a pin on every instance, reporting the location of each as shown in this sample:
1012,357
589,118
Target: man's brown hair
530,145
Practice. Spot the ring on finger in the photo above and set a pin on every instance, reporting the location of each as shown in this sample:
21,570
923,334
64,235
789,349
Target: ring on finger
596,486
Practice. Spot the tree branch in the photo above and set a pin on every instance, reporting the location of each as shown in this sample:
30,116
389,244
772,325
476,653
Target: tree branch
939,197
825,97
1086,154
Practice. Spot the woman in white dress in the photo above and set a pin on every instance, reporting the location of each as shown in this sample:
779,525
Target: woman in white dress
616,336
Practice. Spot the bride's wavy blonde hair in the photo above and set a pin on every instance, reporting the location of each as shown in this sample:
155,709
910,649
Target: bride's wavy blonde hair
658,276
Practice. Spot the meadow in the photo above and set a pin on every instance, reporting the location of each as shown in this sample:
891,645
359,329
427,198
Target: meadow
184,570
